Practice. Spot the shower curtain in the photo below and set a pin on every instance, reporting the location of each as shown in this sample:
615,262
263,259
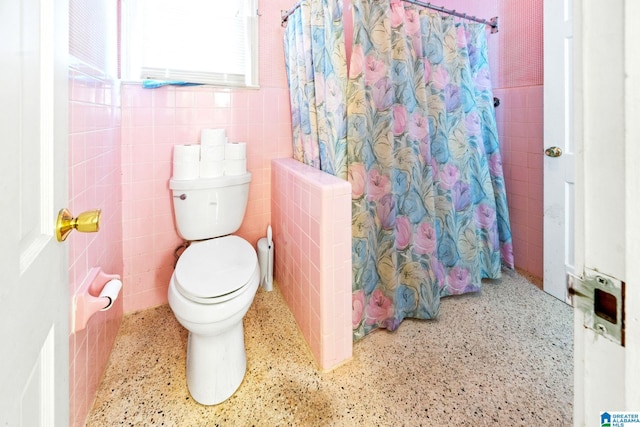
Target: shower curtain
317,73
429,212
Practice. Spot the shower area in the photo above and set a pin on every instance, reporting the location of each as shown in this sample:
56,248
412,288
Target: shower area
396,194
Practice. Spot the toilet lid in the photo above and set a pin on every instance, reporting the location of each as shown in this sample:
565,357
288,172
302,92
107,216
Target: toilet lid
216,267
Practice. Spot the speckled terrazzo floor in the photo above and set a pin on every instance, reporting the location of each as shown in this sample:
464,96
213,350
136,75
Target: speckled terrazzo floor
499,357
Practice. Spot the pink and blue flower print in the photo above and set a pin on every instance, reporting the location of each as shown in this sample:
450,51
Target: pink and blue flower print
412,128
317,73
428,196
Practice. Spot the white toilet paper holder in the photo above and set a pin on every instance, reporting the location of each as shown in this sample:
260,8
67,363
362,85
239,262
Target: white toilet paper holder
97,293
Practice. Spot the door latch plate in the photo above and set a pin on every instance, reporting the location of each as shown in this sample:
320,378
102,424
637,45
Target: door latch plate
601,298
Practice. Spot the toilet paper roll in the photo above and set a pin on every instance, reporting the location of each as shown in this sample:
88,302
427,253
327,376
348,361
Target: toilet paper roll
186,161
186,153
213,136
111,291
182,170
235,167
265,260
235,150
211,169
210,153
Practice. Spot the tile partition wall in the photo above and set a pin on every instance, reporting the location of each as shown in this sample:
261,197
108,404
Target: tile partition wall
311,215
153,120
94,182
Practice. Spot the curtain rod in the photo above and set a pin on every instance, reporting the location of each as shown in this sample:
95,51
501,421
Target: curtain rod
285,14
493,22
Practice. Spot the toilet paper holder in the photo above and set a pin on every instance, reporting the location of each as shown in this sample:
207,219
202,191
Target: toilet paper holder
98,292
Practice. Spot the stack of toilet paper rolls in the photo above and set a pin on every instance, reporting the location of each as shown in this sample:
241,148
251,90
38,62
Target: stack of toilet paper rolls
212,158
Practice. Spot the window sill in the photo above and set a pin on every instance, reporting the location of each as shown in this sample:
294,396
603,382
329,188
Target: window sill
222,87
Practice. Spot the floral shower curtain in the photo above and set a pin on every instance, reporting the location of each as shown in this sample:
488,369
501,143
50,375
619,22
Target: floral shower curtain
418,142
317,74
428,200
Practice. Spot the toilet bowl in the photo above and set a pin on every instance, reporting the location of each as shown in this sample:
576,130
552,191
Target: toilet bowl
210,291
214,282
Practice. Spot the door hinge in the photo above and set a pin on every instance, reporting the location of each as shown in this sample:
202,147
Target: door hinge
601,299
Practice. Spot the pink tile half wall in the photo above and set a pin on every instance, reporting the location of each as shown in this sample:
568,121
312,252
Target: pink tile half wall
311,219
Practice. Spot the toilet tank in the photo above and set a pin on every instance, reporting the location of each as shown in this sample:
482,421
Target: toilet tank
209,207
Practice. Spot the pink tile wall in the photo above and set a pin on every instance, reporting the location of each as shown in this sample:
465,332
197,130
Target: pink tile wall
154,120
484,10
311,218
521,43
94,182
520,129
520,120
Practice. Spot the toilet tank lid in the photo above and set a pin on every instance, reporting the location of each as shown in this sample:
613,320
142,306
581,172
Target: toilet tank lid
202,183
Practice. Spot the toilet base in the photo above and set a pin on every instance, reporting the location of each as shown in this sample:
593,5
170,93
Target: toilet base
216,365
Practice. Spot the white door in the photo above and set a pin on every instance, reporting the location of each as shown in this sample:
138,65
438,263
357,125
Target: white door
632,201
607,132
34,290
558,141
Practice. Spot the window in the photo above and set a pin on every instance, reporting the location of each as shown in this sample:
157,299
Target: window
195,41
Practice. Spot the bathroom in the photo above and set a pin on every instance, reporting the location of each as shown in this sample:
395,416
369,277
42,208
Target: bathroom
121,138
153,120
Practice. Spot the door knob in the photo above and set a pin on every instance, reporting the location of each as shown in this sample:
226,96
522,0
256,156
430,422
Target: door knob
86,222
553,152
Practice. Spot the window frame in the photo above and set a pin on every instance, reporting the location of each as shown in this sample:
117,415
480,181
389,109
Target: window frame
250,78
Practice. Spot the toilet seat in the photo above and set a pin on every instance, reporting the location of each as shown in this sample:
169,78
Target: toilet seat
212,271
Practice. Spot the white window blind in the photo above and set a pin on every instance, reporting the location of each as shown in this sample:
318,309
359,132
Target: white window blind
196,41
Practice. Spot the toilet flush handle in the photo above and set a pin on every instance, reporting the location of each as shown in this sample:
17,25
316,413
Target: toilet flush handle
181,197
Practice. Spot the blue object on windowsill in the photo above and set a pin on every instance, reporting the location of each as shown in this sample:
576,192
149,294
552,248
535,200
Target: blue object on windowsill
152,84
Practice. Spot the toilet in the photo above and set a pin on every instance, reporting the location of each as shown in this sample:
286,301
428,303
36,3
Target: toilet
214,282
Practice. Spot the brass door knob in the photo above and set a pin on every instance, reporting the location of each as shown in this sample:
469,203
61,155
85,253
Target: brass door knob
553,152
86,222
